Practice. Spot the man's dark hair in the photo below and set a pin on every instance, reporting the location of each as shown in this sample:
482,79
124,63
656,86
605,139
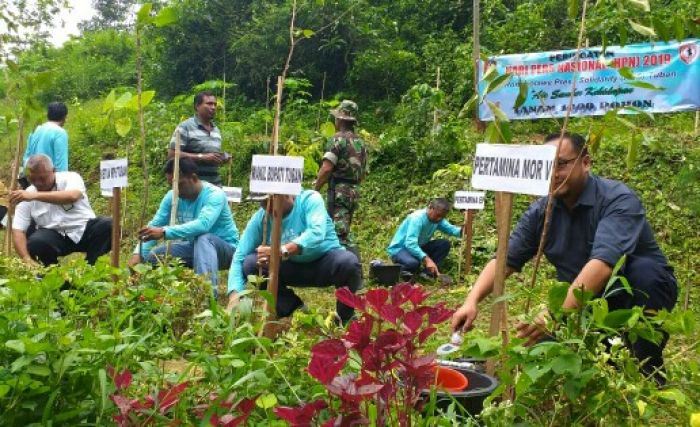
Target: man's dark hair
578,141
56,111
440,204
187,167
199,98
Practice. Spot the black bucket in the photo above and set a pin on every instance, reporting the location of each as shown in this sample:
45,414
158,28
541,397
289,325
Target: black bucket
385,275
472,399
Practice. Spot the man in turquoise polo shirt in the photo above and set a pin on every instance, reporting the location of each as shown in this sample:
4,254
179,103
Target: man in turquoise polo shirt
311,254
200,139
411,246
205,234
50,138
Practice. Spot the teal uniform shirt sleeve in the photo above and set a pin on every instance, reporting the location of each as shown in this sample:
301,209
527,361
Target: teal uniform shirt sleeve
448,228
315,214
160,219
250,240
60,152
211,209
413,230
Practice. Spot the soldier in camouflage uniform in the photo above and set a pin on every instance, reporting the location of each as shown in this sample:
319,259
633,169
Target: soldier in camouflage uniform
344,167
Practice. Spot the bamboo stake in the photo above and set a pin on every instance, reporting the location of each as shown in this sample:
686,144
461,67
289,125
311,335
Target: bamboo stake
504,214
548,209
176,185
697,122
142,126
436,115
320,103
116,225
469,228
476,49
13,183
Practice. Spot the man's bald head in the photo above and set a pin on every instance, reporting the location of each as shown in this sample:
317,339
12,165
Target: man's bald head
39,163
40,172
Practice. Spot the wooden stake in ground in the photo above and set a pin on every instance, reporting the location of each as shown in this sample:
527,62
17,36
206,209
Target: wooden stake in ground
476,50
436,113
275,243
468,237
13,184
176,185
504,214
116,224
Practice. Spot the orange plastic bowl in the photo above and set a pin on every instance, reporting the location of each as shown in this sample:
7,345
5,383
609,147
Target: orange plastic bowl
449,379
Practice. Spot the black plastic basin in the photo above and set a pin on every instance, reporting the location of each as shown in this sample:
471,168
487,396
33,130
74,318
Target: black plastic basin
472,399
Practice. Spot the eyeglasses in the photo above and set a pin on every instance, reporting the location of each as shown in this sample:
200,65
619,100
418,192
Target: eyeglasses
561,163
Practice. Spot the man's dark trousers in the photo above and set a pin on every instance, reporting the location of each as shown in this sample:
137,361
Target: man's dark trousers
654,288
337,268
437,250
47,245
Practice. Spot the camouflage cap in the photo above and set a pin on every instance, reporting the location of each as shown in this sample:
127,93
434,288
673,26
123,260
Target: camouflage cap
347,110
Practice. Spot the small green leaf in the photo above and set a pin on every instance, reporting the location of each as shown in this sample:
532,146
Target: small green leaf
674,395
122,126
165,17
497,112
641,4
15,345
567,363
573,9
497,83
308,33
4,388
626,72
641,407
123,101
662,29
641,29
678,28
468,106
522,94
108,103
645,85
490,73
143,16
327,130
632,153
39,370
266,401
622,30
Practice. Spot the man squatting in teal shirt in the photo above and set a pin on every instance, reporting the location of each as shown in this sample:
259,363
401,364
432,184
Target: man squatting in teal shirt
206,233
411,246
311,254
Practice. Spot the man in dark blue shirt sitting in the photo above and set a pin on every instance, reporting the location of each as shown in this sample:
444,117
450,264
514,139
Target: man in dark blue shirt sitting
595,221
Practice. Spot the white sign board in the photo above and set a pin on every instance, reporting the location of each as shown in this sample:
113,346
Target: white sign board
524,169
113,174
233,194
276,174
472,200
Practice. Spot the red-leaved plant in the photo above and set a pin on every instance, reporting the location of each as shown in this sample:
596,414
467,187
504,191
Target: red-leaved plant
152,408
385,341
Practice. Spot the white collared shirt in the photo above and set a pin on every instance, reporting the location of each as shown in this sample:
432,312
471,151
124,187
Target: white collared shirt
68,220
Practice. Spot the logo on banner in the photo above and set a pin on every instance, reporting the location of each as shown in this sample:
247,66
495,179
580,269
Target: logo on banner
688,52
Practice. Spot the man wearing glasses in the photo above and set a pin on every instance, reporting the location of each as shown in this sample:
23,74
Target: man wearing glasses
57,202
595,221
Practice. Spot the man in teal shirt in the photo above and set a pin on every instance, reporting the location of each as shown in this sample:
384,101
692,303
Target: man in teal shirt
311,254
411,246
206,234
50,138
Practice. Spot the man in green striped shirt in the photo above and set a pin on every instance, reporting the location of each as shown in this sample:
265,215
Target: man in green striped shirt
200,139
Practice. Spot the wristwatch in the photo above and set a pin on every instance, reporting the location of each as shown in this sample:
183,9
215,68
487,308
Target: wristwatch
285,253
200,155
